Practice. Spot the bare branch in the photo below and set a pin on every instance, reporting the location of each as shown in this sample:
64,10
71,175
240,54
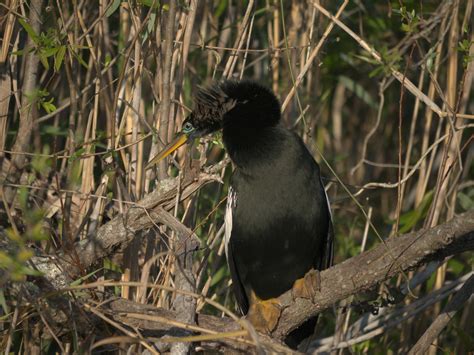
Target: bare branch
368,269
355,275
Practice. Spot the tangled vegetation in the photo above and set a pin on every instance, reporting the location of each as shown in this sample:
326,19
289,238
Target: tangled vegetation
99,254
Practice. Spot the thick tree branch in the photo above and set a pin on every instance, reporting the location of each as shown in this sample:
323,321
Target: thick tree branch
372,267
360,273
355,275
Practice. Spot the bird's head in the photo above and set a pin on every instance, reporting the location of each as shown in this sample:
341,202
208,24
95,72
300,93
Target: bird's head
229,105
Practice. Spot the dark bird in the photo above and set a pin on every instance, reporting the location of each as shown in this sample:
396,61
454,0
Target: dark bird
278,219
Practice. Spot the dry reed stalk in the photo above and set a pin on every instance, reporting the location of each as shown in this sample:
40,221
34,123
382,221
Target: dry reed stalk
27,110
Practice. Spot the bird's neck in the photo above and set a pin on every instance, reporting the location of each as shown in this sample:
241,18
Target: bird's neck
250,148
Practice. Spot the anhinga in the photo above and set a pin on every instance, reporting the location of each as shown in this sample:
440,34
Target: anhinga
278,220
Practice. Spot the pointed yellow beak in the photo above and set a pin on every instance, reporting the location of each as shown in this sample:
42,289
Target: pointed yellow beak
170,148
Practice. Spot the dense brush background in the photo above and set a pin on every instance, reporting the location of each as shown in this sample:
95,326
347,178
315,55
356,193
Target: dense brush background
89,91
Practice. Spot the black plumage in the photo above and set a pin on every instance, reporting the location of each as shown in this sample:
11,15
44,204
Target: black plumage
278,221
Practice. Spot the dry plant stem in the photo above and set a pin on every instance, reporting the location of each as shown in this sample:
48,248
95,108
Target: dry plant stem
239,42
120,231
453,141
5,76
274,38
382,87
413,170
424,175
30,82
161,322
164,111
7,32
11,331
411,138
118,326
395,73
249,37
187,38
451,152
430,335
311,58
343,330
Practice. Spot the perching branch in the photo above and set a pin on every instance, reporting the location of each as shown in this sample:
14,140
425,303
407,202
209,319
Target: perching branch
365,271
355,275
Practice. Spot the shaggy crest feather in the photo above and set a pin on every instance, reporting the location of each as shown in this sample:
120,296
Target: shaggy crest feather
211,104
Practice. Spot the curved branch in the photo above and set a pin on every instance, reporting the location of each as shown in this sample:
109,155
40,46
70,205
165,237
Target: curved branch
365,271
355,275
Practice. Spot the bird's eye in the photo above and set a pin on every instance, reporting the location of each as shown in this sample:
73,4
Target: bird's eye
188,127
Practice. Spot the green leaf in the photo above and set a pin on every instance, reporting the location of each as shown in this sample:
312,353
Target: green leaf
54,131
18,53
6,260
48,52
406,28
3,302
410,219
44,61
48,106
465,201
31,32
76,155
58,59
218,276
358,90
150,3
29,271
455,266
112,8
110,265
376,71
81,61
220,8
83,278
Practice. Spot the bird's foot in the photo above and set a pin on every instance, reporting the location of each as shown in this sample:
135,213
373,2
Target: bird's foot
264,315
307,286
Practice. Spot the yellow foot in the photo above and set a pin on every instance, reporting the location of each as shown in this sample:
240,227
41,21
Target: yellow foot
264,315
307,286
